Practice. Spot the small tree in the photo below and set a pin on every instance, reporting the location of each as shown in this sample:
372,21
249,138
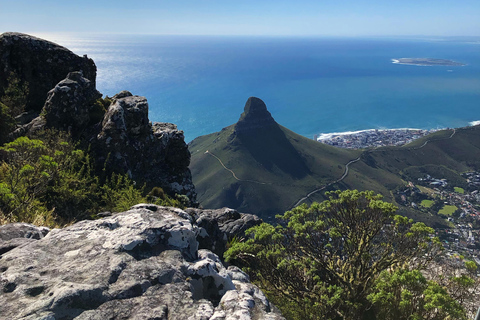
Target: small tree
323,261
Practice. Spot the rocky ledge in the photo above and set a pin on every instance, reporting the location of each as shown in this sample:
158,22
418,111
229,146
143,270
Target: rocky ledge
141,264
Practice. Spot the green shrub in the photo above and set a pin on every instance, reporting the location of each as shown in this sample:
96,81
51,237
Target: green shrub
327,261
15,95
7,123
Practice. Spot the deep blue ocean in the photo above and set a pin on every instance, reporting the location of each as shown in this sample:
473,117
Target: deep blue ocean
310,85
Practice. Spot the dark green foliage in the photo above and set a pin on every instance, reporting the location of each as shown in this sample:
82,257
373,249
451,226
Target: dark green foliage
119,193
7,123
98,109
406,294
15,95
46,180
325,261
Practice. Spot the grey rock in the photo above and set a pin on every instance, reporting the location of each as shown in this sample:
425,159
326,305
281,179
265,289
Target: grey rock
153,154
139,264
40,64
22,230
68,104
219,226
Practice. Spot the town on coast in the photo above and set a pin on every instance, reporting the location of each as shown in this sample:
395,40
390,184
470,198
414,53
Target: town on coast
372,138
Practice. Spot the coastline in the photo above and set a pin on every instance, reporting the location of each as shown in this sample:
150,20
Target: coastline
329,135
326,136
376,137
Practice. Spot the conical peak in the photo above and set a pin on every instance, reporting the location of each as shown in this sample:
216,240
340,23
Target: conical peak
255,115
255,106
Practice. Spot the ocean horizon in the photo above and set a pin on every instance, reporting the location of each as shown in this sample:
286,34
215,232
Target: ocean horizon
312,86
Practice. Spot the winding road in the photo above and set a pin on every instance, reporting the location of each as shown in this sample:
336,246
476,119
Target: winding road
344,175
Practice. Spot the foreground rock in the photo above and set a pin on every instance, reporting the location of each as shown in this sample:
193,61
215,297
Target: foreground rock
39,65
139,264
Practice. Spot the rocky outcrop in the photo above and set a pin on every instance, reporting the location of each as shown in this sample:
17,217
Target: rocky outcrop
124,142
139,264
69,103
39,65
155,154
217,227
254,116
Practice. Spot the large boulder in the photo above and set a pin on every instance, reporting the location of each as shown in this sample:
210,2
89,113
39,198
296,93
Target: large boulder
153,154
139,264
38,65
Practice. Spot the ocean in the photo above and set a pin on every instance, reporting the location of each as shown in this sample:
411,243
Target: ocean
310,85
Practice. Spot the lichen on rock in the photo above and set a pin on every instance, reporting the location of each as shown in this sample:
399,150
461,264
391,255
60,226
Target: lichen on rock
142,263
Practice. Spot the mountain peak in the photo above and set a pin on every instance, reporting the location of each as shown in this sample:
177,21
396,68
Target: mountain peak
255,115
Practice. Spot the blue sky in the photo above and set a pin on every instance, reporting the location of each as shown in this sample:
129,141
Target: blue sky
245,17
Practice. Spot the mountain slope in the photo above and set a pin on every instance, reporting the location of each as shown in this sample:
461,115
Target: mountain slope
259,166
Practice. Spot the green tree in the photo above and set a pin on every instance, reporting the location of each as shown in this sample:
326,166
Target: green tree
405,294
323,261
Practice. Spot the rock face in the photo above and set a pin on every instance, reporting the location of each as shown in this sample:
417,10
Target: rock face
254,116
139,264
124,142
155,154
219,226
39,64
69,103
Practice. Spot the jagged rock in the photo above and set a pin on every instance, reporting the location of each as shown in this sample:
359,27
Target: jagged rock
155,154
125,142
68,104
254,116
219,226
39,64
139,264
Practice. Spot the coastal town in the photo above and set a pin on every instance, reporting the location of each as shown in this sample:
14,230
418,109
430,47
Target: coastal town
372,138
460,207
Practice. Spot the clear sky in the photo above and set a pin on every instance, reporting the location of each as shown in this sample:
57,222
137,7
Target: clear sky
245,17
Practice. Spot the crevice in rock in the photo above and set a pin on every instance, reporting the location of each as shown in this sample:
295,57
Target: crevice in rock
34,291
115,273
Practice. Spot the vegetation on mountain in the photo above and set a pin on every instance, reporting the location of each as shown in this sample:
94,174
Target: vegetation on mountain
274,167
47,180
7,123
348,257
15,95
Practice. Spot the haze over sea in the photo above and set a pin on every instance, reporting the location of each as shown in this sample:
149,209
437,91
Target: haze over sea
310,85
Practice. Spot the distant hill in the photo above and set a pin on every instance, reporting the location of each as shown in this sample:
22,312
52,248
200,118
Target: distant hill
273,166
261,167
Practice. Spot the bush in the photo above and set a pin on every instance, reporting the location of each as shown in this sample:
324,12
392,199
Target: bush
7,123
325,261
15,95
